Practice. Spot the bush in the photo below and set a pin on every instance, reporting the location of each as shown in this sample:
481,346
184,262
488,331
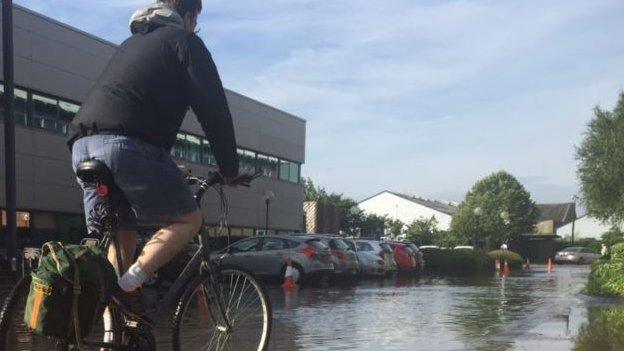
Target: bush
513,259
604,330
461,262
617,251
607,276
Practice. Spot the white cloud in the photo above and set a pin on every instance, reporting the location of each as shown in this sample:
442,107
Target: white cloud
421,96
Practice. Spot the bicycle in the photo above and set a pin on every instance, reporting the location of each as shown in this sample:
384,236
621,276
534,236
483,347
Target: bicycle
215,307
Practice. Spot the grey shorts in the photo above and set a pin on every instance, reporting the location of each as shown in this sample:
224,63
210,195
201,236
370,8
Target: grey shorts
154,190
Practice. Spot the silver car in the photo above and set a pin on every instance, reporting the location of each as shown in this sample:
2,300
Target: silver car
576,254
375,257
267,256
344,259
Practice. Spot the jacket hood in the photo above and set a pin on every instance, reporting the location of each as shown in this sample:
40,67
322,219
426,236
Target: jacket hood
155,14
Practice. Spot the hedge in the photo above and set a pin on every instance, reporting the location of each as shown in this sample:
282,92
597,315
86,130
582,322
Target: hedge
460,262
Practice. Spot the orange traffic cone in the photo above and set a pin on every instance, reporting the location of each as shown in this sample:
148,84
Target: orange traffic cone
551,265
506,269
289,279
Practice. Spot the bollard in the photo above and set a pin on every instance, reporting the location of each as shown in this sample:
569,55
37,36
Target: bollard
289,279
551,265
506,269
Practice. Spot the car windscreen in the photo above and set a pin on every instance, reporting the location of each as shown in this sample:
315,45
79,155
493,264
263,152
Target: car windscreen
386,247
572,249
412,246
362,246
338,244
351,244
317,244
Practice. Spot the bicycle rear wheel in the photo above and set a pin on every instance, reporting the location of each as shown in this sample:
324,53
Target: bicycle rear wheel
15,335
199,322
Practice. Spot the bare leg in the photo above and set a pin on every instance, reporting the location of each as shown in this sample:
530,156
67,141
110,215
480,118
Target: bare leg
127,245
166,243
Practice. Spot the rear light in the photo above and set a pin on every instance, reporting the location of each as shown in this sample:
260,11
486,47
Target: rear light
308,251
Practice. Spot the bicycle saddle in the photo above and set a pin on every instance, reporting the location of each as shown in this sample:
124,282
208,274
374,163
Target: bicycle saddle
93,171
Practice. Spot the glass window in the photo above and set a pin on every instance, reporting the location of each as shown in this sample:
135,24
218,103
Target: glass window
179,147
338,244
194,148
71,228
284,171
246,245
207,155
45,114
19,106
247,161
45,228
362,246
294,172
23,219
291,244
268,166
248,232
67,111
272,244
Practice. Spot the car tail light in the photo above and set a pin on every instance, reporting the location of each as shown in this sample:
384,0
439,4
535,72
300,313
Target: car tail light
308,251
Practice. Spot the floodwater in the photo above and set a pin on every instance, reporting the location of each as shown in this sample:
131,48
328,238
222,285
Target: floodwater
526,311
533,310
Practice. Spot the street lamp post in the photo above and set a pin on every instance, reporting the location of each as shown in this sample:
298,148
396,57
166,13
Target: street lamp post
268,196
478,211
574,198
9,132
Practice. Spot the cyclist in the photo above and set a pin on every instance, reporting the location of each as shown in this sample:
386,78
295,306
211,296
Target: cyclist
130,121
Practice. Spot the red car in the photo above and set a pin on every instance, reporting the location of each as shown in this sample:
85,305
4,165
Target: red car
404,256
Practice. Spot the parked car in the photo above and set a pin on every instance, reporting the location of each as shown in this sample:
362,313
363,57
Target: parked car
418,256
576,254
267,256
375,257
404,256
344,259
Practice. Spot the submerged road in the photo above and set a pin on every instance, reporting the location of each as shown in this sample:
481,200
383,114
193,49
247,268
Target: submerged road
527,311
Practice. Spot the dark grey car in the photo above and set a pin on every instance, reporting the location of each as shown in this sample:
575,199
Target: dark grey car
267,256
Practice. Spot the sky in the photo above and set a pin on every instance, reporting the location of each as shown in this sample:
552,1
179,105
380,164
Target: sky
421,97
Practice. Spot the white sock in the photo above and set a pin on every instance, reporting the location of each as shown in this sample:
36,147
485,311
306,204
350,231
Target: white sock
133,278
108,326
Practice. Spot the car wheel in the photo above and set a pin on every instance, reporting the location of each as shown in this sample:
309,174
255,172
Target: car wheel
580,261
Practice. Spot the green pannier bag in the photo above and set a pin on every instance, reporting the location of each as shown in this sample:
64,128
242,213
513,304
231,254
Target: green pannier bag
69,291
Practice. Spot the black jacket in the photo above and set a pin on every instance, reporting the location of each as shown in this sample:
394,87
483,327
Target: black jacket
147,88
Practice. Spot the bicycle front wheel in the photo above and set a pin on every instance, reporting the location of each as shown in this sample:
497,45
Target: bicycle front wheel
235,315
16,336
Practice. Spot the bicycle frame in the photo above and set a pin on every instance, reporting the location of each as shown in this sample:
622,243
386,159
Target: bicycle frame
200,261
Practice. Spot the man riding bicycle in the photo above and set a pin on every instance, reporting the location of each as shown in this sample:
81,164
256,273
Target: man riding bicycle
130,121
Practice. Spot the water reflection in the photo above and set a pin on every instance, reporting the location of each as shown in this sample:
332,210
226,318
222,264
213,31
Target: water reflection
526,311
604,330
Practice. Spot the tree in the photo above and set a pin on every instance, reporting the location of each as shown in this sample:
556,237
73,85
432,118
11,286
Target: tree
353,221
612,237
495,210
601,164
422,231
394,227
